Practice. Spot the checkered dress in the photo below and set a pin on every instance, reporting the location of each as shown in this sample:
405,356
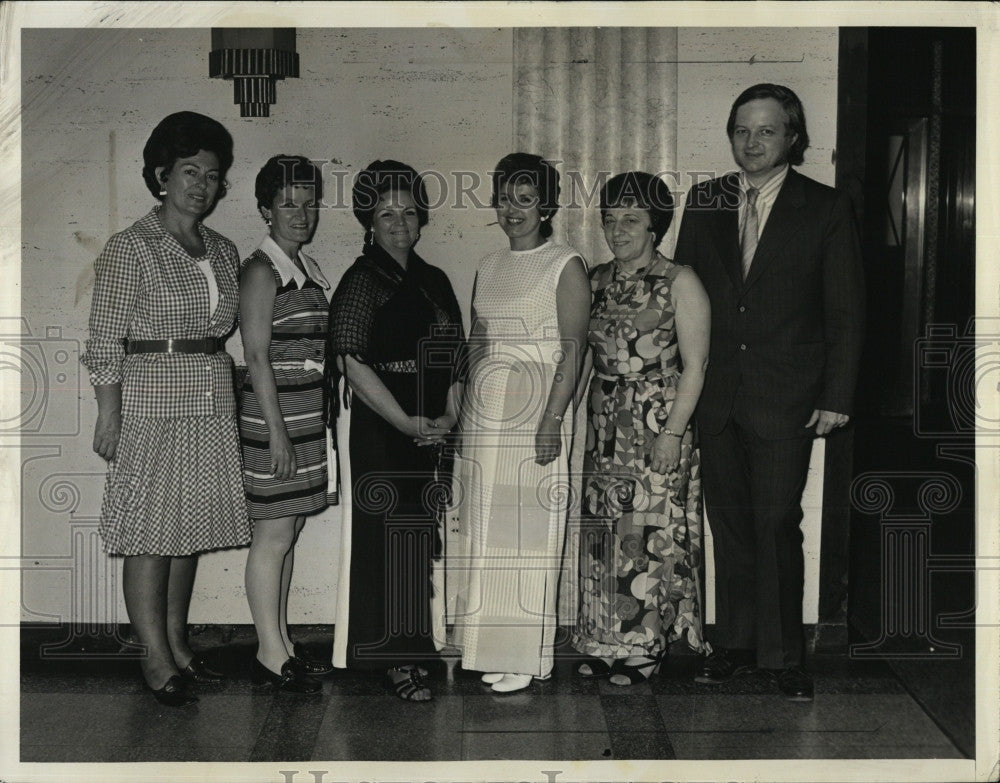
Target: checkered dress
175,485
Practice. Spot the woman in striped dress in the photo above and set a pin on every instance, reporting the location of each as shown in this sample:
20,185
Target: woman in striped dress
283,312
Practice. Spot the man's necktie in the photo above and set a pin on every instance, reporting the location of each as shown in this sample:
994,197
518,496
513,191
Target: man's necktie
748,237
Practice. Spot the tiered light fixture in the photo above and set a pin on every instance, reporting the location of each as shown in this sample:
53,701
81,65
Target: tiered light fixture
254,58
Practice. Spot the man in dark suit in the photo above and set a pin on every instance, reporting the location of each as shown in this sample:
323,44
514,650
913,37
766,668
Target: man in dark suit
779,256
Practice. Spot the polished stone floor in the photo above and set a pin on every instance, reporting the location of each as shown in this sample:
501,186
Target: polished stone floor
80,707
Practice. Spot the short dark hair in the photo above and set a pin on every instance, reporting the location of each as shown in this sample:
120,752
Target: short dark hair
644,191
377,179
183,135
282,170
793,109
521,167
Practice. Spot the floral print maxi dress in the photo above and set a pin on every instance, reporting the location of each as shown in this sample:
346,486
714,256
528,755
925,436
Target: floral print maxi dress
641,537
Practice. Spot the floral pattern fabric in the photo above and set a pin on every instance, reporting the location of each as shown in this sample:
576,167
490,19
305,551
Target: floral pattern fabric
641,537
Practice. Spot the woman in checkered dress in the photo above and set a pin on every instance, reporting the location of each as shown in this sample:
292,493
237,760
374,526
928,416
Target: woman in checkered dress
165,297
283,312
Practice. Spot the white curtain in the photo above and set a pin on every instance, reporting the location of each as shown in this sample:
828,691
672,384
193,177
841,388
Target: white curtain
596,102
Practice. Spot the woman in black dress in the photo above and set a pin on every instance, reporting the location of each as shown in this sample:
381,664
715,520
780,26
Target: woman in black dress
394,342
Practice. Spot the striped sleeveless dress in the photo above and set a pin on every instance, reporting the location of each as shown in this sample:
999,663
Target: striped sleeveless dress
298,334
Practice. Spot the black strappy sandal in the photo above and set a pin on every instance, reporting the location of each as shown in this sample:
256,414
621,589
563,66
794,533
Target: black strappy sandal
407,688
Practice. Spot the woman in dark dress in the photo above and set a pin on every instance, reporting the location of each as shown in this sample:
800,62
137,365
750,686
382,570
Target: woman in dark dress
394,341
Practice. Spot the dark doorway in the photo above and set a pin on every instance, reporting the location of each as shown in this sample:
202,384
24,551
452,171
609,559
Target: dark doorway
906,152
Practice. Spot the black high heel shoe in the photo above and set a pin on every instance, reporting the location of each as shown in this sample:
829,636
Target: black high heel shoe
291,680
173,693
197,671
309,663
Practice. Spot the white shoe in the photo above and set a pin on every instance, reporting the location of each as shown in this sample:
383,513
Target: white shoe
491,677
512,682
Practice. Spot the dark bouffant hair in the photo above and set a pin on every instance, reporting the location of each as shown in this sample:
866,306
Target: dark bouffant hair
521,167
639,189
182,135
284,170
793,108
378,178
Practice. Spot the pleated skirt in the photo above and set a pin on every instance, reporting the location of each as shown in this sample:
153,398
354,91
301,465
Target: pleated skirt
175,488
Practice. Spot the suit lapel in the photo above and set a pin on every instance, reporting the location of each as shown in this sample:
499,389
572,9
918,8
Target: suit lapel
780,225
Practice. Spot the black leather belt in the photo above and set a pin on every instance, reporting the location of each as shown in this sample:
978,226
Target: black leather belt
205,345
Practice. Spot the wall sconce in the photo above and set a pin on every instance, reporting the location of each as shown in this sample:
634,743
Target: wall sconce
254,58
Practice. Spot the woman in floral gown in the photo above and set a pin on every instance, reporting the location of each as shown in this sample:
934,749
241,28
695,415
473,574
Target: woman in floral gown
640,550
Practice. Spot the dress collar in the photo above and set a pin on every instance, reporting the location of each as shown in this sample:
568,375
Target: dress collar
655,264
151,226
287,268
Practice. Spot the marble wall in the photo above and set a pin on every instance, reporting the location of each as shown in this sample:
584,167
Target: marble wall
440,99
605,100
437,99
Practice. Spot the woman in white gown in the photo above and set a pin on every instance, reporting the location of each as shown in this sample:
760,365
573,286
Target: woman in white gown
530,312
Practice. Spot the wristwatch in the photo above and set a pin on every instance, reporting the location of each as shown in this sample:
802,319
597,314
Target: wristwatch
668,431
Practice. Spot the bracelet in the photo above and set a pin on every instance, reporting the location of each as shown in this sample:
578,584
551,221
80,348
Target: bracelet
555,416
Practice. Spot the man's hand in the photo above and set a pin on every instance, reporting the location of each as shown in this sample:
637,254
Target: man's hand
826,421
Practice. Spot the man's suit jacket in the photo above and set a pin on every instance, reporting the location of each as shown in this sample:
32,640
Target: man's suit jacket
788,339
